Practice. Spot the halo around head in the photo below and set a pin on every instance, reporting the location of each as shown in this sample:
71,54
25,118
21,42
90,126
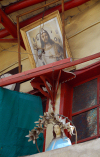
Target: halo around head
49,118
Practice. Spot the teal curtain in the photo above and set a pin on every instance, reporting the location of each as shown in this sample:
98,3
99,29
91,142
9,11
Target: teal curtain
18,112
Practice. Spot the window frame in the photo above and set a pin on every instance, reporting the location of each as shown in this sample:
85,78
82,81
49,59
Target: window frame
89,108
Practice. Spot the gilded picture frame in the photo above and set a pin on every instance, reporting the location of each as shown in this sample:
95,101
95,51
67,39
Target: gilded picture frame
51,26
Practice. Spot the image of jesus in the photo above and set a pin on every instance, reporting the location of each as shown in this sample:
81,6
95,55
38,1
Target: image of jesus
53,51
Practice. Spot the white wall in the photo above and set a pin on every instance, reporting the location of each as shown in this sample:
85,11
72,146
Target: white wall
86,149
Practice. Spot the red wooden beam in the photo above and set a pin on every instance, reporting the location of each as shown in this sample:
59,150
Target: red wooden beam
86,73
62,64
10,27
21,5
4,33
26,3
0,18
8,40
8,24
67,6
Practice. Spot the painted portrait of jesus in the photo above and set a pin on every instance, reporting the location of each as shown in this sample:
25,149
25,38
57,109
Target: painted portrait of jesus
50,39
45,34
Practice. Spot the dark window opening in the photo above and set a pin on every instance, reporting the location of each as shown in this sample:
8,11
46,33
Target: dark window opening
85,110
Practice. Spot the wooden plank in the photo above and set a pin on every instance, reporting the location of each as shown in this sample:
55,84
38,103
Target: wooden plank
85,44
83,20
38,8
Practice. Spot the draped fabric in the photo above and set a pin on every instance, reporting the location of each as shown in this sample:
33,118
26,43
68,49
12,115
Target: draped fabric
18,112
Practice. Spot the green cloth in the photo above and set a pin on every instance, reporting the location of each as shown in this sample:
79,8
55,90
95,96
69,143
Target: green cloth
18,112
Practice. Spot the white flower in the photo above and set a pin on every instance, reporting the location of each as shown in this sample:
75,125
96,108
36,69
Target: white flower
32,135
41,116
61,120
70,128
33,141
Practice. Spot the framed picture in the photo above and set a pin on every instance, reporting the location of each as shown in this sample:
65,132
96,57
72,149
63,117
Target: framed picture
43,40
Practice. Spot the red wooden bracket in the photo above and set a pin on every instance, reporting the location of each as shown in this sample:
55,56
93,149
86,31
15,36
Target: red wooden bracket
38,84
50,82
